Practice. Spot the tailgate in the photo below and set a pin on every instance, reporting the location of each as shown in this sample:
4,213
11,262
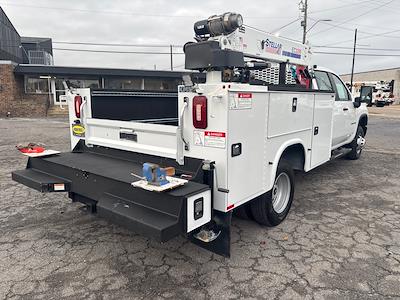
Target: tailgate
144,122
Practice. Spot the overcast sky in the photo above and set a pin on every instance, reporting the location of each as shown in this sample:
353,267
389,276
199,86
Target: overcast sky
171,22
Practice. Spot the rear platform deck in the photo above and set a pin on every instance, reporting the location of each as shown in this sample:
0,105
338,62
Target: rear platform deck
101,178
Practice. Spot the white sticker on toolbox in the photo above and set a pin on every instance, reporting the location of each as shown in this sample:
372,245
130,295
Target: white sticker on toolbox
215,139
198,138
241,101
59,187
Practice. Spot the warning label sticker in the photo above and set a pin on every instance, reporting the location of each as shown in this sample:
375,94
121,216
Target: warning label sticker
212,139
215,139
241,101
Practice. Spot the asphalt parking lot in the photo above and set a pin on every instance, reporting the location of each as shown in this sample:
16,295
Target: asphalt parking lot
340,241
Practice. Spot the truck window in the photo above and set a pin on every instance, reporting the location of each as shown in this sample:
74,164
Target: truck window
341,90
324,84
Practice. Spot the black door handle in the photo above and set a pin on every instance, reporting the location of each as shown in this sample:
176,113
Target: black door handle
345,109
294,105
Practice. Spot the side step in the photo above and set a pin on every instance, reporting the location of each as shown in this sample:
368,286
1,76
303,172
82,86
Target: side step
139,218
41,181
340,153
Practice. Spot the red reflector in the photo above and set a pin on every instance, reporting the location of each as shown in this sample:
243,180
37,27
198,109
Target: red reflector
199,112
230,207
77,105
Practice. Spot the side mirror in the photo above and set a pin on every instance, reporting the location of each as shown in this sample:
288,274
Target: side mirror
357,102
366,94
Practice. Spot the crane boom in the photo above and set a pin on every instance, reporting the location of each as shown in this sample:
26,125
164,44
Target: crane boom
224,41
266,46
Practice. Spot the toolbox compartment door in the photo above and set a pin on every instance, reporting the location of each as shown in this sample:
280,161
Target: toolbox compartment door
321,134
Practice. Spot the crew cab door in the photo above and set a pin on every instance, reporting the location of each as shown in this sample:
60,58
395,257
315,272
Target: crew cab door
344,113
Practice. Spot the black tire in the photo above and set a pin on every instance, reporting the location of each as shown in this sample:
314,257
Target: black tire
244,212
262,207
355,149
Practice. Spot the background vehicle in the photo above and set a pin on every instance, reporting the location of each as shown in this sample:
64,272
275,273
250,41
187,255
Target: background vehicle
237,139
382,92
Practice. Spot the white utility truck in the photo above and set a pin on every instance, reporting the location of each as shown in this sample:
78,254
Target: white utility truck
234,141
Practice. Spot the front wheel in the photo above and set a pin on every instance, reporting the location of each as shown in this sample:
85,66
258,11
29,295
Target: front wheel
273,207
357,144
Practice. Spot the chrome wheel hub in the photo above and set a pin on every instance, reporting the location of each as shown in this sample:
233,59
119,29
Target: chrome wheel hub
360,143
281,193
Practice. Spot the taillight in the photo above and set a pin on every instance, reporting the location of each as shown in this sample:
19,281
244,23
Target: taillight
199,112
77,105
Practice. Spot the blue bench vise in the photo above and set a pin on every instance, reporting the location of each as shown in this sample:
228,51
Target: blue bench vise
155,175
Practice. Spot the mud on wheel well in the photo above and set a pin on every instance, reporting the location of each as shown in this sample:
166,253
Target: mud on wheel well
294,156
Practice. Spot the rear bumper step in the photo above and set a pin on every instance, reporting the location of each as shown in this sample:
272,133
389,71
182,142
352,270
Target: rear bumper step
104,181
141,219
41,181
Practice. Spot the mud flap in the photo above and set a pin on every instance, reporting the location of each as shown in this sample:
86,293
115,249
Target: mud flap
220,227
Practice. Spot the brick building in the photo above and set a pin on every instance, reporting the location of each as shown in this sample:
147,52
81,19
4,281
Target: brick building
13,99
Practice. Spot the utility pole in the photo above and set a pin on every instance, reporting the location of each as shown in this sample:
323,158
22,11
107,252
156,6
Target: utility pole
304,10
172,59
354,59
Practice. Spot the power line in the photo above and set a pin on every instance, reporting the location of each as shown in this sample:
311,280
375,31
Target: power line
123,12
118,44
336,25
373,2
286,25
267,32
117,52
358,54
179,46
179,53
359,48
369,35
383,34
359,16
338,7
370,2
352,29
368,26
96,11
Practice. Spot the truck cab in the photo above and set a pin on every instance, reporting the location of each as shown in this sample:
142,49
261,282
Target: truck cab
348,112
